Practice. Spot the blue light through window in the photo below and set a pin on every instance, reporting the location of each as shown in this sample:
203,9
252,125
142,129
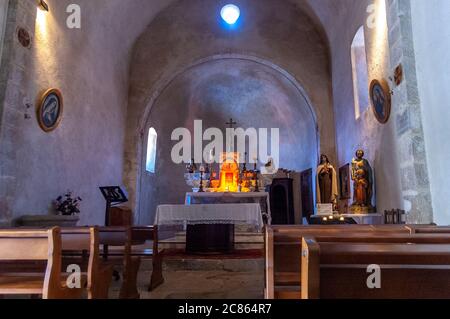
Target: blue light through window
230,13
151,150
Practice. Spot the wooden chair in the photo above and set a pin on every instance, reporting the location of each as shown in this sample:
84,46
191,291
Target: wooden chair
39,246
408,271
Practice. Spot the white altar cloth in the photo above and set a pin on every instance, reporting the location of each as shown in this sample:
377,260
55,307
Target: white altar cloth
261,198
231,214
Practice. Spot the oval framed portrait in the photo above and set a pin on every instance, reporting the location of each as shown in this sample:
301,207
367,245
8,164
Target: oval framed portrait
50,110
380,98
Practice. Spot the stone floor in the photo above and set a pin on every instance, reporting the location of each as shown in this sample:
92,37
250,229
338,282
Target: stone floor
204,279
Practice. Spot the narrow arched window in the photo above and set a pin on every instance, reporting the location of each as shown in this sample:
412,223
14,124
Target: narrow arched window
360,73
151,150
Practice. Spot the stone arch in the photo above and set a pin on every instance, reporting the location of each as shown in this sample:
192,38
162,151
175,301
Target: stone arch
154,94
283,34
163,84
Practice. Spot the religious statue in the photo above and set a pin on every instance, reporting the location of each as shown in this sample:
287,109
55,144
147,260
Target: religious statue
326,181
362,178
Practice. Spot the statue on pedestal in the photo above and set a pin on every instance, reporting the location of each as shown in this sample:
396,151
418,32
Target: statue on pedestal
362,178
326,181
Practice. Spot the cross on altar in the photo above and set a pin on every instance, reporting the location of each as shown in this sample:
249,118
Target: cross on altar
230,136
231,123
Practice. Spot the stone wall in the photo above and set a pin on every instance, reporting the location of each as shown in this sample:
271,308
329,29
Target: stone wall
415,183
90,66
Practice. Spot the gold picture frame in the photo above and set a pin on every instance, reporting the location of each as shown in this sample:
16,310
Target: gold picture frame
50,110
380,97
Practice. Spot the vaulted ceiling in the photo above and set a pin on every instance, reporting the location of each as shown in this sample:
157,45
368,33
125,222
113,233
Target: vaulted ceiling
128,19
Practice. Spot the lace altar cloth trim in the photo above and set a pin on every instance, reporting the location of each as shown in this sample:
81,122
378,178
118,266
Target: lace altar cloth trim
227,214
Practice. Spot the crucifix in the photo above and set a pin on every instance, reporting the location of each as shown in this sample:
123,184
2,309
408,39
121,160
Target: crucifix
230,136
231,123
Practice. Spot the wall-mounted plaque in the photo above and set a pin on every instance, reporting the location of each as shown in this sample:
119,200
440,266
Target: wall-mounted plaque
380,96
50,110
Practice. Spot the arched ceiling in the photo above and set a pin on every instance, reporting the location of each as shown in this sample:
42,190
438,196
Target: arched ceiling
128,19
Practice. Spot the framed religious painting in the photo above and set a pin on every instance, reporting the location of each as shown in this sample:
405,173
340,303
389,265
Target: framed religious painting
380,96
50,110
344,181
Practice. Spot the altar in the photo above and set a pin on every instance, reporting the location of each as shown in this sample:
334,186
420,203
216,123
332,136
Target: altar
210,228
261,198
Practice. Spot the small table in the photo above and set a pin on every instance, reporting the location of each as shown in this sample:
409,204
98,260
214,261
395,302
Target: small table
210,228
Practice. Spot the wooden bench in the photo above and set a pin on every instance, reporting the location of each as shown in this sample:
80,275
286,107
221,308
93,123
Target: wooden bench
140,235
87,241
408,271
39,246
95,277
283,251
120,240
124,244
430,230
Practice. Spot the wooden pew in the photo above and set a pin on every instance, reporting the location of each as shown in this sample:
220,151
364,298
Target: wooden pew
95,277
87,240
141,234
40,246
430,230
408,271
124,244
119,253
283,250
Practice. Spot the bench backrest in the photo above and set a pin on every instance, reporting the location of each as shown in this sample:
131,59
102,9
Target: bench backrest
86,240
431,230
284,258
340,228
35,245
28,244
340,270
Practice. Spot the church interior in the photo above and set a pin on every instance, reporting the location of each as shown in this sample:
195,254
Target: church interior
224,149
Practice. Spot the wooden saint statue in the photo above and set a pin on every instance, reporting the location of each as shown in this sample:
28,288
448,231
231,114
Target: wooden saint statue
326,181
362,178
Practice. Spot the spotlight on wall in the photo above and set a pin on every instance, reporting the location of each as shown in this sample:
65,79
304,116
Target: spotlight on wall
43,5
